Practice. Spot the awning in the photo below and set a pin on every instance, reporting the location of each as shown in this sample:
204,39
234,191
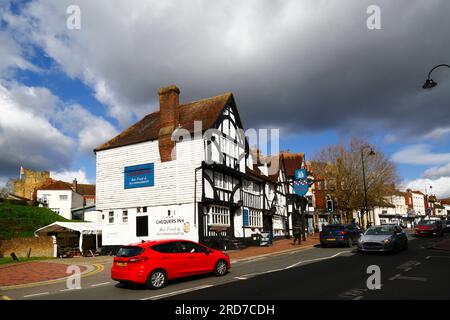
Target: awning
82,227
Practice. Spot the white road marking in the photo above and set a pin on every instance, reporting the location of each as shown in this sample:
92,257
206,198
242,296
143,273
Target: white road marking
63,290
317,259
395,277
445,257
408,269
36,294
241,278
252,260
177,292
427,257
412,278
358,298
100,284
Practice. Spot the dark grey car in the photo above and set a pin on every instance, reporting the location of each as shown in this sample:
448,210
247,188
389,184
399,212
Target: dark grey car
384,238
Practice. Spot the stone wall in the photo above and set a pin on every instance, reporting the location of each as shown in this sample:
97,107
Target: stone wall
40,247
30,182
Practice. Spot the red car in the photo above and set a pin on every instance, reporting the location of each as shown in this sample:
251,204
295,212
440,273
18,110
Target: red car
428,227
155,262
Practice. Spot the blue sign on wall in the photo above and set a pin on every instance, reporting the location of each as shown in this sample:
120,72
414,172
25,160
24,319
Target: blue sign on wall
140,176
245,217
300,174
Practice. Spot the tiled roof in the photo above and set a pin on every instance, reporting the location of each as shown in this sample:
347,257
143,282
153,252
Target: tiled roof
57,185
86,189
205,110
292,161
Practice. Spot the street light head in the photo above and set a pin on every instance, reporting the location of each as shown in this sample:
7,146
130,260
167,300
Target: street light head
430,83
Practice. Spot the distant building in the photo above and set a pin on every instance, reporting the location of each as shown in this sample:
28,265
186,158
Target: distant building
62,197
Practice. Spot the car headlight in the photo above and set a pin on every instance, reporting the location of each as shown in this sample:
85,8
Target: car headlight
387,241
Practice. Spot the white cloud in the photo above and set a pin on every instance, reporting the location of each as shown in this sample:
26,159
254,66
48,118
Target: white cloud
90,130
69,176
420,154
39,131
437,172
11,55
28,138
440,186
437,133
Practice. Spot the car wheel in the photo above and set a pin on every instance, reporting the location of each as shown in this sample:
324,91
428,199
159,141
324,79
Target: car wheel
323,245
157,279
349,243
221,268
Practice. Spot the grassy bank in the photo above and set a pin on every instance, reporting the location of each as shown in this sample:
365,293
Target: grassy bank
22,220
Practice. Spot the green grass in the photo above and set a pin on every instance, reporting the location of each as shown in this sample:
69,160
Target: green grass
20,221
10,260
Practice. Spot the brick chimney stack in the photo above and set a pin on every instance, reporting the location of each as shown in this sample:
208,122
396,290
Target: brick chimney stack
169,103
75,185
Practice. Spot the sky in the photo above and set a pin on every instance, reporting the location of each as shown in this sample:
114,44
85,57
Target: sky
313,69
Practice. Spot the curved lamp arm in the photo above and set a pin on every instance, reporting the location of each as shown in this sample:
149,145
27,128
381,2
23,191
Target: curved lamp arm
430,83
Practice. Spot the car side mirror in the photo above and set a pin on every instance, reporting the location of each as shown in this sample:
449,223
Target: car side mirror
207,252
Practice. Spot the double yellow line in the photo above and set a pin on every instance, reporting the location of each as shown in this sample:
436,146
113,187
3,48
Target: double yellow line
97,269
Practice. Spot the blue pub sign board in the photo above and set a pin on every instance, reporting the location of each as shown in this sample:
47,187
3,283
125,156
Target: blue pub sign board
139,176
301,185
300,174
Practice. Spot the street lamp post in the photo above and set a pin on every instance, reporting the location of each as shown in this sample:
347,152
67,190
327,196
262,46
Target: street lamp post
371,153
430,83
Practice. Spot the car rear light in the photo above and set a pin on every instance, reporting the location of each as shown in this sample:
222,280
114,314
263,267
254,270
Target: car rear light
138,259
343,233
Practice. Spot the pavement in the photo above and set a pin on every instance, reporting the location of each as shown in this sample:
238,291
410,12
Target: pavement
29,272
278,246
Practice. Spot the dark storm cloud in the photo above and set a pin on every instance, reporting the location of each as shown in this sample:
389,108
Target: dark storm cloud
298,65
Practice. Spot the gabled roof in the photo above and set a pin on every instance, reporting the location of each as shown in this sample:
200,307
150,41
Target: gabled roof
147,129
57,185
292,161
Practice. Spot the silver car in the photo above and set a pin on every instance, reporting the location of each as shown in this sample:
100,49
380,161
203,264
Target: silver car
382,239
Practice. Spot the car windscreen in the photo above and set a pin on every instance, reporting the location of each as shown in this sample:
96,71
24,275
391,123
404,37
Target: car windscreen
380,231
427,222
333,227
129,251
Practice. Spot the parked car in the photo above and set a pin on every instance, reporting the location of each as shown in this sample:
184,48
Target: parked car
447,225
343,234
155,262
429,227
383,238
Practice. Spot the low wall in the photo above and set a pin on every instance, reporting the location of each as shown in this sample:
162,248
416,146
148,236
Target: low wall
40,247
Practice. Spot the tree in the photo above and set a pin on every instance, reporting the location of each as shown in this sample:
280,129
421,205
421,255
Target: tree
340,168
7,188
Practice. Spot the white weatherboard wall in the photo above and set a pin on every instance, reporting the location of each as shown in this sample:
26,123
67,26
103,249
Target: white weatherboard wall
173,189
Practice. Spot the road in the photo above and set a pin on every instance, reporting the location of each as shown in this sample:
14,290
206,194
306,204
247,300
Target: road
315,273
